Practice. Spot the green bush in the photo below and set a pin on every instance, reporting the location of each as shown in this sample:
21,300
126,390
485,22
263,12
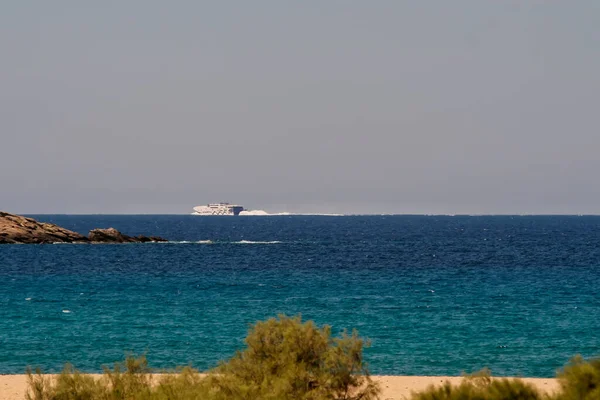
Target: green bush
287,359
580,380
131,379
186,384
284,359
70,384
481,386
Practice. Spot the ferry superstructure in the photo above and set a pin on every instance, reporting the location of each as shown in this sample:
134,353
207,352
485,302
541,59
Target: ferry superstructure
218,209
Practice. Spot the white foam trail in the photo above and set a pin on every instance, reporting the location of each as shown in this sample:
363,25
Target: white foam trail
66,311
254,213
263,213
188,242
257,242
28,298
319,215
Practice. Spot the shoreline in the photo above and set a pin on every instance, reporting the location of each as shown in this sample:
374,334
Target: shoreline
393,387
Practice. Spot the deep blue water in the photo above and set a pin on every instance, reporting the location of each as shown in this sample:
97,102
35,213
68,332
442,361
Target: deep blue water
436,295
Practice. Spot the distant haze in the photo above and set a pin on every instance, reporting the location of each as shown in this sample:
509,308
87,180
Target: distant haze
330,106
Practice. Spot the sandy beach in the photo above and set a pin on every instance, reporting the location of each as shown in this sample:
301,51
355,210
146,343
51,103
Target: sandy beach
13,387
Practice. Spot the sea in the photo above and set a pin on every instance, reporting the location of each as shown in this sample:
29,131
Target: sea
434,295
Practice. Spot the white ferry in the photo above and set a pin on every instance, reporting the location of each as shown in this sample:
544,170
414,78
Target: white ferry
218,209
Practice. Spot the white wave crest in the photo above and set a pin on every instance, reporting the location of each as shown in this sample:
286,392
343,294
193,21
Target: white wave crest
315,214
254,213
257,242
263,213
188,242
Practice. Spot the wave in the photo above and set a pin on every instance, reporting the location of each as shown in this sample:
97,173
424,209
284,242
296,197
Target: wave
208,242
263,213
254,213
221,242
187,242
257,242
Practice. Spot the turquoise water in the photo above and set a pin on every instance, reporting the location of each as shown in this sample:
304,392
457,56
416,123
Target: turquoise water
436,295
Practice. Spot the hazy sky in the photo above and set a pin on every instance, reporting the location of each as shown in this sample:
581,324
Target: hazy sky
308,106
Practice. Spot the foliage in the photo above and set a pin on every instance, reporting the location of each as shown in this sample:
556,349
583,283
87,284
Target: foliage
186,384
69,385
580,380
284,359
129,380
481,386
288,359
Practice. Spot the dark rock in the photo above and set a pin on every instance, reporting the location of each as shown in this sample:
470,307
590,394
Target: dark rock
18,229
144,239
111,235
15,229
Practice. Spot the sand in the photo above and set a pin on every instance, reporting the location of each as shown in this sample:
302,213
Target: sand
13,387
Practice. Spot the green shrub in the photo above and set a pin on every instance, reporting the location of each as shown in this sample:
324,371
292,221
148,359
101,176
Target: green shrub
481,386
69,385
580,380
287,359
284,359
186,384
130,380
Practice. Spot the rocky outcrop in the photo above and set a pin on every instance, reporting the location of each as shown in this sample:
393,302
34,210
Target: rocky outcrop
111,235
16,229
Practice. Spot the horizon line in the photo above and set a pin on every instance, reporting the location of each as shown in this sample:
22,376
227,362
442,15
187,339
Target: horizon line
300,214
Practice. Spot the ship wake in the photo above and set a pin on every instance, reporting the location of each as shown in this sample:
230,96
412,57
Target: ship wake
263,213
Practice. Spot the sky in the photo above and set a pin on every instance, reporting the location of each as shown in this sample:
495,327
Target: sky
421,107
